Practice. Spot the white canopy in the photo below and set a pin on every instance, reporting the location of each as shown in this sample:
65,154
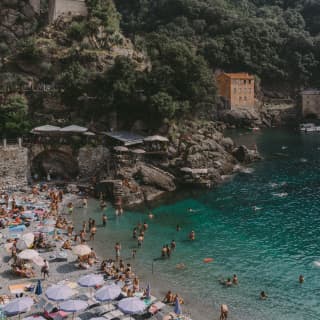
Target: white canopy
156,138
74,128
46,128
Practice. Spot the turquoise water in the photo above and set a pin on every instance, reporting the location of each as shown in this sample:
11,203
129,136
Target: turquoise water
267,248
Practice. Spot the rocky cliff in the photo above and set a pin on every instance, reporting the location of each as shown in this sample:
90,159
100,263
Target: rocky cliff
18,20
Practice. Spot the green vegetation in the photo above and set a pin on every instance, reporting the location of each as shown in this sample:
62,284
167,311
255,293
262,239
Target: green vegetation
186,41
276,39
13,116
103,13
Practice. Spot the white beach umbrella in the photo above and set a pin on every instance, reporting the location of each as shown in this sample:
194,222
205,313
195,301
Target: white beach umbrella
28,254
132,305
18,306
107,293
39,261
81,250
73,306
91,280
25,241
59,292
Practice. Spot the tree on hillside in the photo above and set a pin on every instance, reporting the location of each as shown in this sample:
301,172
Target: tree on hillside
103,12
13,116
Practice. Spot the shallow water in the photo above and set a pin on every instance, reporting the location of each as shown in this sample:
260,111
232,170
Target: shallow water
264,226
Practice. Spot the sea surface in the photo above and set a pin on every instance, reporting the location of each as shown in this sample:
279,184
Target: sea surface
263,225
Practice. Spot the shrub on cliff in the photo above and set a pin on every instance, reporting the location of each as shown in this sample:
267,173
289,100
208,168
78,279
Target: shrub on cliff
13,116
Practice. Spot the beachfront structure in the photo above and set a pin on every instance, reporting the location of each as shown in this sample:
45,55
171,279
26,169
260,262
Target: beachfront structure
311,103
123,138
60,8
237,90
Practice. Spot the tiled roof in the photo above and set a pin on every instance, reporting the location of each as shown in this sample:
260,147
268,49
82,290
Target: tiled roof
240,75
311,91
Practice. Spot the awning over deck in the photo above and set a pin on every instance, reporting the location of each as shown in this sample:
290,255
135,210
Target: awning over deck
125,138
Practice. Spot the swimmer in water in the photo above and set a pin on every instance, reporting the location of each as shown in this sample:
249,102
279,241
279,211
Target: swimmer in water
263,295
192,235
235,279
180,266
151,215
178,228
301,278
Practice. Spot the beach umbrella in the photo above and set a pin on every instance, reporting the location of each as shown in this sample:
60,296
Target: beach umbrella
38,261
148,291
108,293
59,292
28,254
25,241
91,280
73,306
132,305
81,250
177,307
46,229
38,290
18,306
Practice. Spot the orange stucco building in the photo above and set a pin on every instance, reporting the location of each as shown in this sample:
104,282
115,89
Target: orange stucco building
237,89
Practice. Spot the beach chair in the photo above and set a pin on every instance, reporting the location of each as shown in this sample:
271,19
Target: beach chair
113,314
101,310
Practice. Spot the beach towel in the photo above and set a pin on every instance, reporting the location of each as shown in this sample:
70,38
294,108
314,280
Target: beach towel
19,288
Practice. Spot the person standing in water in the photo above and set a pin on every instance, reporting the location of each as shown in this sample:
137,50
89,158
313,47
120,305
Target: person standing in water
104,219
117,249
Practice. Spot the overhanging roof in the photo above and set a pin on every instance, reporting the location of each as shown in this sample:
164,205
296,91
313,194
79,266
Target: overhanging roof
126,137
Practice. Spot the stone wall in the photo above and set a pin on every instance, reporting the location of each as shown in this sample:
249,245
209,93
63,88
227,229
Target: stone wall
93,161
14,168
59,8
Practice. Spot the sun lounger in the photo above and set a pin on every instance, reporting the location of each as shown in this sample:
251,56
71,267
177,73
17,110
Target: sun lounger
113,314
101,310
35,317
156,307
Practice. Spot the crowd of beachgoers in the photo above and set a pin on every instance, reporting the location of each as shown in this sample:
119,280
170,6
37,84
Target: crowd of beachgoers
50,271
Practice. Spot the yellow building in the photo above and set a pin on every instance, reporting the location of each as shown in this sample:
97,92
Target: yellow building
237,89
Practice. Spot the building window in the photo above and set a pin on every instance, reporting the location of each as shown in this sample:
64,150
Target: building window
245,81
249,81
234,90
245,98
240,98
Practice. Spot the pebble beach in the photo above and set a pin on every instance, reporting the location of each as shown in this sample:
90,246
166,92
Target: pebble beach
63,264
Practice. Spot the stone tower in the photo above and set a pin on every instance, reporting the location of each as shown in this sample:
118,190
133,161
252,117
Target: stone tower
36,5
58,8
